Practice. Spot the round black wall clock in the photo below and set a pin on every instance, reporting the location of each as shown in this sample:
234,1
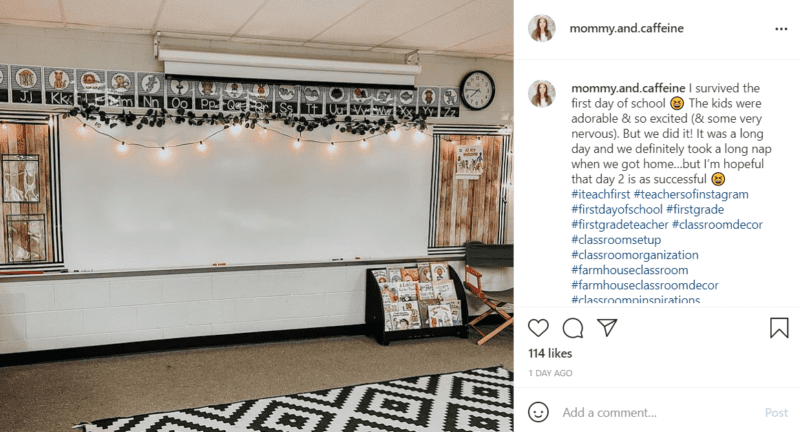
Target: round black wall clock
477,90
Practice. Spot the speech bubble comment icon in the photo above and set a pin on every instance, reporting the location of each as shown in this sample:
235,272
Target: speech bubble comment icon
538,412
573,328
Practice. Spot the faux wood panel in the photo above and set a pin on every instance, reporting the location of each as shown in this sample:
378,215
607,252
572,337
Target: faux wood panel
26,139
468,210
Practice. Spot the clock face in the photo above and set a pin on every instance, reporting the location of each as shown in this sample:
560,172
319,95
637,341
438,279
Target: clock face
477,90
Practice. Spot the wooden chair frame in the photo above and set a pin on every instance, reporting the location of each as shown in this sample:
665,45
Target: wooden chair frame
493,308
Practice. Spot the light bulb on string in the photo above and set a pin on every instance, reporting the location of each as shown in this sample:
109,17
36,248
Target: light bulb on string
394,134
297,143
480,141
201,146
364,144
122,148
419,136
332,147
163,154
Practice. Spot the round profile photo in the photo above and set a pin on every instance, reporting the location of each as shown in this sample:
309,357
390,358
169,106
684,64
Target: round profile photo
541,28
542,93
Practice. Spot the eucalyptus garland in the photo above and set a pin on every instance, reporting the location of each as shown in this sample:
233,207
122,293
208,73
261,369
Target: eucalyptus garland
301,123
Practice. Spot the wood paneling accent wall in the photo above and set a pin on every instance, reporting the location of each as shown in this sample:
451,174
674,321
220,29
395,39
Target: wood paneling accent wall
27,213
468,210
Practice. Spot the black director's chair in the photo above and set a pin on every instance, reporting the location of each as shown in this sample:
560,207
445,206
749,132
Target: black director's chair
483,255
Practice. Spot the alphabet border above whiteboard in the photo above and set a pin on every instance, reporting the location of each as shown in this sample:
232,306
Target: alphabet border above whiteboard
55,86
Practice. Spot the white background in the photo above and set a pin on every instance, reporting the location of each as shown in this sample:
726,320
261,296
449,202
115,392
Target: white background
710,365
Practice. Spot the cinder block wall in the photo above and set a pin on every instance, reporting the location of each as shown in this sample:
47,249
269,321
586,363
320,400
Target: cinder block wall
38,315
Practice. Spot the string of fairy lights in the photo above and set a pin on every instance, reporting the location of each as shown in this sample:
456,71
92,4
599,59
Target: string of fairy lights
297,142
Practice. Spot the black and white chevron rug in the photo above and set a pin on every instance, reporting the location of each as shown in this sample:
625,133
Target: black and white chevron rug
478,400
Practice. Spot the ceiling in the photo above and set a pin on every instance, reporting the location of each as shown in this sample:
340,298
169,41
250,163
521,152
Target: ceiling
471,28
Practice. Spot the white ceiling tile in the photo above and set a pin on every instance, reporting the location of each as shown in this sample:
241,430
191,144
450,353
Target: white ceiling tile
497,42
44,24
463,54
391,50
262,41
449,27
114,30
336,46
112,13
475,19
198,36
30,10
382,20
206,16
298,19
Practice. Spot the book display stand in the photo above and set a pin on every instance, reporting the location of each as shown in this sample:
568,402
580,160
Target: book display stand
376,318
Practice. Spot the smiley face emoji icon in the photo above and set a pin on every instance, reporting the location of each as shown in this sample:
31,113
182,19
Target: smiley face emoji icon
538,412
718,179
676,103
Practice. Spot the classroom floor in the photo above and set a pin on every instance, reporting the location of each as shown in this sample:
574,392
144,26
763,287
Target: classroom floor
55,396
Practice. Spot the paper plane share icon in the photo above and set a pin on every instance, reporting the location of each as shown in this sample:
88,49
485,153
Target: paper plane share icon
608,324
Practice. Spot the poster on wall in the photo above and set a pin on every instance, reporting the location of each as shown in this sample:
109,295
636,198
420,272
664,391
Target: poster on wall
428,101
26,239
121,89
150,90
287,99
406,103
469,162
59,86
360,101
234,97
450,103
26,84
20,178
336,99
260,97
207,96
311,99
180,94
3,83
91,86
383,102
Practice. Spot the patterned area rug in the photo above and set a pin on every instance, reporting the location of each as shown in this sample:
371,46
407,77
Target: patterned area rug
477,400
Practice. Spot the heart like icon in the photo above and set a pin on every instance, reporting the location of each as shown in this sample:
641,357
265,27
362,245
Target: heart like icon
538,327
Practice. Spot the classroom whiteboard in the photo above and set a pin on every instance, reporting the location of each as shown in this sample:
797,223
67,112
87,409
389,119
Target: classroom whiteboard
250,199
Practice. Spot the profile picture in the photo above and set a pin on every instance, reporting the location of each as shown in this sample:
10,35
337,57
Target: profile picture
541,28
541,93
